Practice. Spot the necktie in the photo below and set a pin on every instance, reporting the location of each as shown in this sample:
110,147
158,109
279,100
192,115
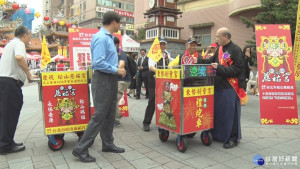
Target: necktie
166,59
142,60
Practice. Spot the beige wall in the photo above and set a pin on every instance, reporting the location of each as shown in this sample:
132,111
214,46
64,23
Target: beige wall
140,7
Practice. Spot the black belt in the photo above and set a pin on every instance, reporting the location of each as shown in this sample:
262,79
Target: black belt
18,82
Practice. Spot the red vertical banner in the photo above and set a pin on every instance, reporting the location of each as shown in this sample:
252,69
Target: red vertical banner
277,90
167,99
79,47
65,101
198,103
123,105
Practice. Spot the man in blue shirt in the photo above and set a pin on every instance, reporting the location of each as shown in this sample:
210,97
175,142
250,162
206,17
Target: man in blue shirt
104,90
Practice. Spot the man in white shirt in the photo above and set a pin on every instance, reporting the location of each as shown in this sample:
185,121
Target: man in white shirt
13,73
161,64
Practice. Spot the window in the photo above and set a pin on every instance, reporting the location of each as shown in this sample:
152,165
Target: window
84,6
115,4
118,5
84,18
129,7
206,40
151,33
204,36
152,19
100,15
101,2
108,3
129,20
123,19
129,32
170,33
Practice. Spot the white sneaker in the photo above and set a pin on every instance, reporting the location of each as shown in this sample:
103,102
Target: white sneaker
257,94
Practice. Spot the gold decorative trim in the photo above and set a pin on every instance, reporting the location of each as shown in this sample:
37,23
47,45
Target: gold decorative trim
260,28
284,27
292,121
266,121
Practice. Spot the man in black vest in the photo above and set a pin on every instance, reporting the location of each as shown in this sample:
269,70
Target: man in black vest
143,74
161,64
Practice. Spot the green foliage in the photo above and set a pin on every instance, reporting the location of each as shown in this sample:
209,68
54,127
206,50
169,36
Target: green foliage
141,33
273,12
279,12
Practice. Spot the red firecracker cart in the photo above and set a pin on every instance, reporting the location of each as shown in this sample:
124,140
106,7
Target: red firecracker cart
185,103
66,104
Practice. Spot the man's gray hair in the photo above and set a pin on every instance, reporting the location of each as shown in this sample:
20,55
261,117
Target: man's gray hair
20,31
225,32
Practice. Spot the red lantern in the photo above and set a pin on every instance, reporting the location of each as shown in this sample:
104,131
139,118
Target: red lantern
68,25
46,18
15,6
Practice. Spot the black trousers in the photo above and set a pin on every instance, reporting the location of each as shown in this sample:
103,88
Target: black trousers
11,101
142,79
104,91
150,108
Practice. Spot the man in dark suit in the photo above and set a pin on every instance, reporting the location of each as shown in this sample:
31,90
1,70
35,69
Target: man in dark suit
143,74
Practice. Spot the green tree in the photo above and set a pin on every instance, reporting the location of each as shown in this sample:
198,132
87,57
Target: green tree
141,32
279,12
273,12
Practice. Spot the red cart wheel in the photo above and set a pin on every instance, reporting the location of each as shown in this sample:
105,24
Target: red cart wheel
206,138
182,143
57,147
191,135
163,135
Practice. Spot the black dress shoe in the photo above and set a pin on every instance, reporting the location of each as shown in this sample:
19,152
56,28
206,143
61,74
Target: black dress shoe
137,97
147,97
230,144
84,158
14,150
114,149
146,128
19,144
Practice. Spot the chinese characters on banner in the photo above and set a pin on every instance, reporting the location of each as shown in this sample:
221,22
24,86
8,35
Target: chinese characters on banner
167,99
65,99
79,47
297,46
123,105
120,12
198,103
278,98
